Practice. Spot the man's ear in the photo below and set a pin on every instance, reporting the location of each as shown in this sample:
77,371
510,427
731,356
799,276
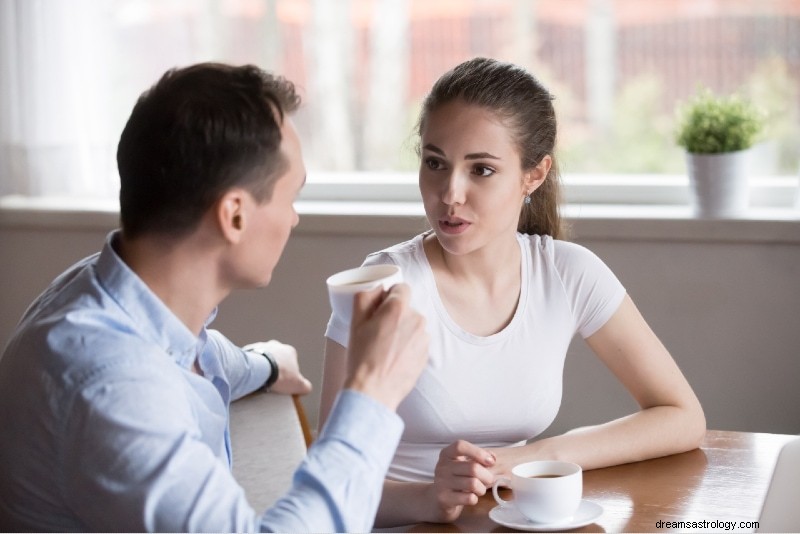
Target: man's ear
536,176
230,215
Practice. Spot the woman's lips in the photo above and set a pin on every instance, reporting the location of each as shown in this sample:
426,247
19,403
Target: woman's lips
453,225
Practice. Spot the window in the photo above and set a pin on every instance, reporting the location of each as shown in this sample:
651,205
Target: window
70,71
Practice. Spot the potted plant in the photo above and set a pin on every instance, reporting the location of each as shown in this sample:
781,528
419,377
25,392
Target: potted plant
718,133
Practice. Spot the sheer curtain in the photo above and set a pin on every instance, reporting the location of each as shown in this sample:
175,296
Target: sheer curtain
70,72
53,136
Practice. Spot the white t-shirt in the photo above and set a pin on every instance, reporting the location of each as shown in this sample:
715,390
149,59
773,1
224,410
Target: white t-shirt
504,389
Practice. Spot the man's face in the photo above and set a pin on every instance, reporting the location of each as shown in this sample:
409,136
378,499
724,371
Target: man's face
270,223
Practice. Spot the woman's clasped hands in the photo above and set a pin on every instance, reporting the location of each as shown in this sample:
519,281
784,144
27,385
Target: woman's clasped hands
463,474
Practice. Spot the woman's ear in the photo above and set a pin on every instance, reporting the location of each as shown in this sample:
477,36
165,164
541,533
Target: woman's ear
536,176
230,215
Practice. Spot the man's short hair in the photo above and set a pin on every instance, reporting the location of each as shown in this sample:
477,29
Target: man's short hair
198,132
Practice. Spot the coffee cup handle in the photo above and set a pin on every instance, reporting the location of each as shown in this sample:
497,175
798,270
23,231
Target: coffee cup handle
498,498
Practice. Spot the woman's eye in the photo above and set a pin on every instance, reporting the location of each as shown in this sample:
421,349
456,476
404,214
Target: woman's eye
433,163
482,170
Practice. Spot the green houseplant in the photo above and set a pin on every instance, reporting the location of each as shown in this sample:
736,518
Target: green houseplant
718,134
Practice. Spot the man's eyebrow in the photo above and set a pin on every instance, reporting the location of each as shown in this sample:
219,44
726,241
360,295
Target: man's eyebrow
476,155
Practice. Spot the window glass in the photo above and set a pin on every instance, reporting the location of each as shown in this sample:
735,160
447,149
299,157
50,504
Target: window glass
617,68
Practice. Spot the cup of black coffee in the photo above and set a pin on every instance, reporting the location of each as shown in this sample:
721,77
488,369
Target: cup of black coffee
544,491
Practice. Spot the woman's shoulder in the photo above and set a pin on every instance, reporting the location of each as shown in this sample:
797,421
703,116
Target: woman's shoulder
563,254
402,254
547,246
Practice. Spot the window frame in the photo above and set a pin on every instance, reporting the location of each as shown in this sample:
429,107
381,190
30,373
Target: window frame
780,191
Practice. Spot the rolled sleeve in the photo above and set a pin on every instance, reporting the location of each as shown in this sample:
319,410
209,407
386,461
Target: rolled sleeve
244,371
338,486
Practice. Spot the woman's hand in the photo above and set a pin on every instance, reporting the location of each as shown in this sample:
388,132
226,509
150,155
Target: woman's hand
461,476
508,457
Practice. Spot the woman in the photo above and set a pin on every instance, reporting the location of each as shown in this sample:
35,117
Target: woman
503,297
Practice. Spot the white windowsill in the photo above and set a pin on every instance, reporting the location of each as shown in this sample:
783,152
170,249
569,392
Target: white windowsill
369,218
658,189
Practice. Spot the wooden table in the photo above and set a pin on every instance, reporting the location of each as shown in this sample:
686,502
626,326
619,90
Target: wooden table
725,480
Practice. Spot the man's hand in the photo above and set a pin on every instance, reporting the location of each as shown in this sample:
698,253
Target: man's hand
388,346
290,380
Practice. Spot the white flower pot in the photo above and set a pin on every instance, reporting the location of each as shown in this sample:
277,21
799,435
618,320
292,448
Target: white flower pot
720,183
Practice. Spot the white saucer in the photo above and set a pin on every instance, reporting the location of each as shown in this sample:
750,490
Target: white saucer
508,516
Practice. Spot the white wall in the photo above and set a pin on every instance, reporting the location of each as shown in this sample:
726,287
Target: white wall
723,296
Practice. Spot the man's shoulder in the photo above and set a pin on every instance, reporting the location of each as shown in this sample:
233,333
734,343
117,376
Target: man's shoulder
68,286
75,329
74,349
78,333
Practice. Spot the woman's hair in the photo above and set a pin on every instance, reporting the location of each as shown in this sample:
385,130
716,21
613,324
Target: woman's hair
526,108
195,134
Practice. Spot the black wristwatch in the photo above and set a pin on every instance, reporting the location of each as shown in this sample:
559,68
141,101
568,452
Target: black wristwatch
273,365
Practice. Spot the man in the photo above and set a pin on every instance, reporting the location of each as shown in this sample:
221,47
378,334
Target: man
113,393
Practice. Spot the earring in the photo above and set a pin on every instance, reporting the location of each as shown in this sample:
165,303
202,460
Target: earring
528,200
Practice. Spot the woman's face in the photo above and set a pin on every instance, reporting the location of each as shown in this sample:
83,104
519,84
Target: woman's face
471,177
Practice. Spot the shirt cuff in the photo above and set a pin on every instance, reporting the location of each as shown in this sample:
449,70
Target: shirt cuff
260,370
356,418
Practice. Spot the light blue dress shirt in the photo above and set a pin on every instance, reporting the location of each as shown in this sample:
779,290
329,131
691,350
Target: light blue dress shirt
106,428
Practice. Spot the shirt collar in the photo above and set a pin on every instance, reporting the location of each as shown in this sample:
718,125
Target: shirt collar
155,320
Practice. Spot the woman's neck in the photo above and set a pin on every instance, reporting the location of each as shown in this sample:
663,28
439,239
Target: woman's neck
480,290
488,266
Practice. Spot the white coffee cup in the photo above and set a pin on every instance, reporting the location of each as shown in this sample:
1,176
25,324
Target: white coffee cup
544,491
343,286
